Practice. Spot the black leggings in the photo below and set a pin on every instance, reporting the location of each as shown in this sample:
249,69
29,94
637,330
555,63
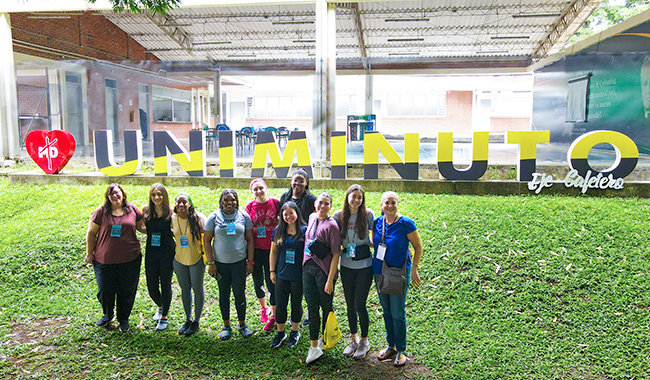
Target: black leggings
261,272
159,269
284,289
232,276
356,285
313,284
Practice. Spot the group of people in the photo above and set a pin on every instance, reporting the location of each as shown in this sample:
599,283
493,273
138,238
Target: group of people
291,245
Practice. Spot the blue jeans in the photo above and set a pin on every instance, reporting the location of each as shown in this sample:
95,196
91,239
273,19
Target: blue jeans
394,308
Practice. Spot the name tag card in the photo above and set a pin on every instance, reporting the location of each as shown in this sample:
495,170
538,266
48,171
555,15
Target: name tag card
290,257
116,230
306,250
185,242
351,250
261,232
155,239
381,252
230,229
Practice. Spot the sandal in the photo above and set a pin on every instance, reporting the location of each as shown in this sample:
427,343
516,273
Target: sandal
387,353
400,359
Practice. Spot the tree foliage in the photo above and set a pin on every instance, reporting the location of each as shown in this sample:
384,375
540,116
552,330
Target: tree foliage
608,14
137,6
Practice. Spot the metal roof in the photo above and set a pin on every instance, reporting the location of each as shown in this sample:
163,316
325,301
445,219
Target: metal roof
426,34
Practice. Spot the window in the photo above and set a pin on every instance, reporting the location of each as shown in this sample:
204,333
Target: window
170,104
416,105
278,107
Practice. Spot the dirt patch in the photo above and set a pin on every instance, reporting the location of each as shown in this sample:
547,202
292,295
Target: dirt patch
36,330
372,369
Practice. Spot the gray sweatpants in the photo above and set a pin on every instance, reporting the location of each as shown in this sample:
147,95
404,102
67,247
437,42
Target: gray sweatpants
190,279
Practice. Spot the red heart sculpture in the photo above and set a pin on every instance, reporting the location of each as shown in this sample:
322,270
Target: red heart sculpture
51,150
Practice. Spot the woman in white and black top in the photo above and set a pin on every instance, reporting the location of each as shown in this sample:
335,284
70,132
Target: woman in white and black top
355,223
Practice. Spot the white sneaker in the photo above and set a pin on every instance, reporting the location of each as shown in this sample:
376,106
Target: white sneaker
321,345
313,354
351,348
362,350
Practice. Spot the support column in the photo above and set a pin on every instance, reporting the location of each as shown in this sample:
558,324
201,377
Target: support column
369,94
324,120
193,101
216,107
9,136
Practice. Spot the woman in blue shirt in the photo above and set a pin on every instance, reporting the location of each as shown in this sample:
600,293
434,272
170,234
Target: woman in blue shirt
392,235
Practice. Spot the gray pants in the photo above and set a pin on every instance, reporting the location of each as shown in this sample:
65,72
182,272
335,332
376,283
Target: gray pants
190,279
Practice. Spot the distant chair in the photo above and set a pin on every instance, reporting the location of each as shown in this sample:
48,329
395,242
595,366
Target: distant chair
283,135
246,137
222,127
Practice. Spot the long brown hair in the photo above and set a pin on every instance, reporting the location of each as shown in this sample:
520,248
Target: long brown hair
281,231
362,214
108,207
151,211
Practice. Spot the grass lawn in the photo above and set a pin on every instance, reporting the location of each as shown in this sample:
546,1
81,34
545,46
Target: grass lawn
513,287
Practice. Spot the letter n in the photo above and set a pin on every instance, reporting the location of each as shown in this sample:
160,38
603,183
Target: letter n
375,142
339,156
227,158
165,144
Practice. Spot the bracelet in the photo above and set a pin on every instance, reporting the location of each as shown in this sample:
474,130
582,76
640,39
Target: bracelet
271,271
250,263
210,263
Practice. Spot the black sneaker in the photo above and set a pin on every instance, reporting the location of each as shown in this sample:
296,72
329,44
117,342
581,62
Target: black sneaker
194,327
305,322
294,336
278,339
103,321
124,326
185,326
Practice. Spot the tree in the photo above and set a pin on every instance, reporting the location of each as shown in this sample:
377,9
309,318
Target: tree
137,6
608,14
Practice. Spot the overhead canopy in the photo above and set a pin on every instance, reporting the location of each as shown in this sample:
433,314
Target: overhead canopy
476,35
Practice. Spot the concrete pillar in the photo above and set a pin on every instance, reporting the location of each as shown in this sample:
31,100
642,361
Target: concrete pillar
369,94
217,98
9,136
193,101
324,120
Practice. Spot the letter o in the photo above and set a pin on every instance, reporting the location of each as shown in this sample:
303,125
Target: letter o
627,153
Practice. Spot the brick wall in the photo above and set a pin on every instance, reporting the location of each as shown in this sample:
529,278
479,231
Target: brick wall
89,35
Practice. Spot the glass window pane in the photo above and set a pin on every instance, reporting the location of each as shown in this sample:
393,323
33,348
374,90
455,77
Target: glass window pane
181,111
273,103
162,109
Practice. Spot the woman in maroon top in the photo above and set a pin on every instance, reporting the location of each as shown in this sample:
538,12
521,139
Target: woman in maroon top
114,250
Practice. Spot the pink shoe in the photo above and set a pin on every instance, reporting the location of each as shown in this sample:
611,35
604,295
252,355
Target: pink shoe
270,324
264,314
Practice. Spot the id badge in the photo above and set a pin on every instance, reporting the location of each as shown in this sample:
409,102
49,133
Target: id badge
350,249
290,257
306,251
230,229
381,252
116,230
185,242
261,232
155,239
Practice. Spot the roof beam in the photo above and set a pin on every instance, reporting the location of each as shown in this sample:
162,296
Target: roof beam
360,31
570,20
171,29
